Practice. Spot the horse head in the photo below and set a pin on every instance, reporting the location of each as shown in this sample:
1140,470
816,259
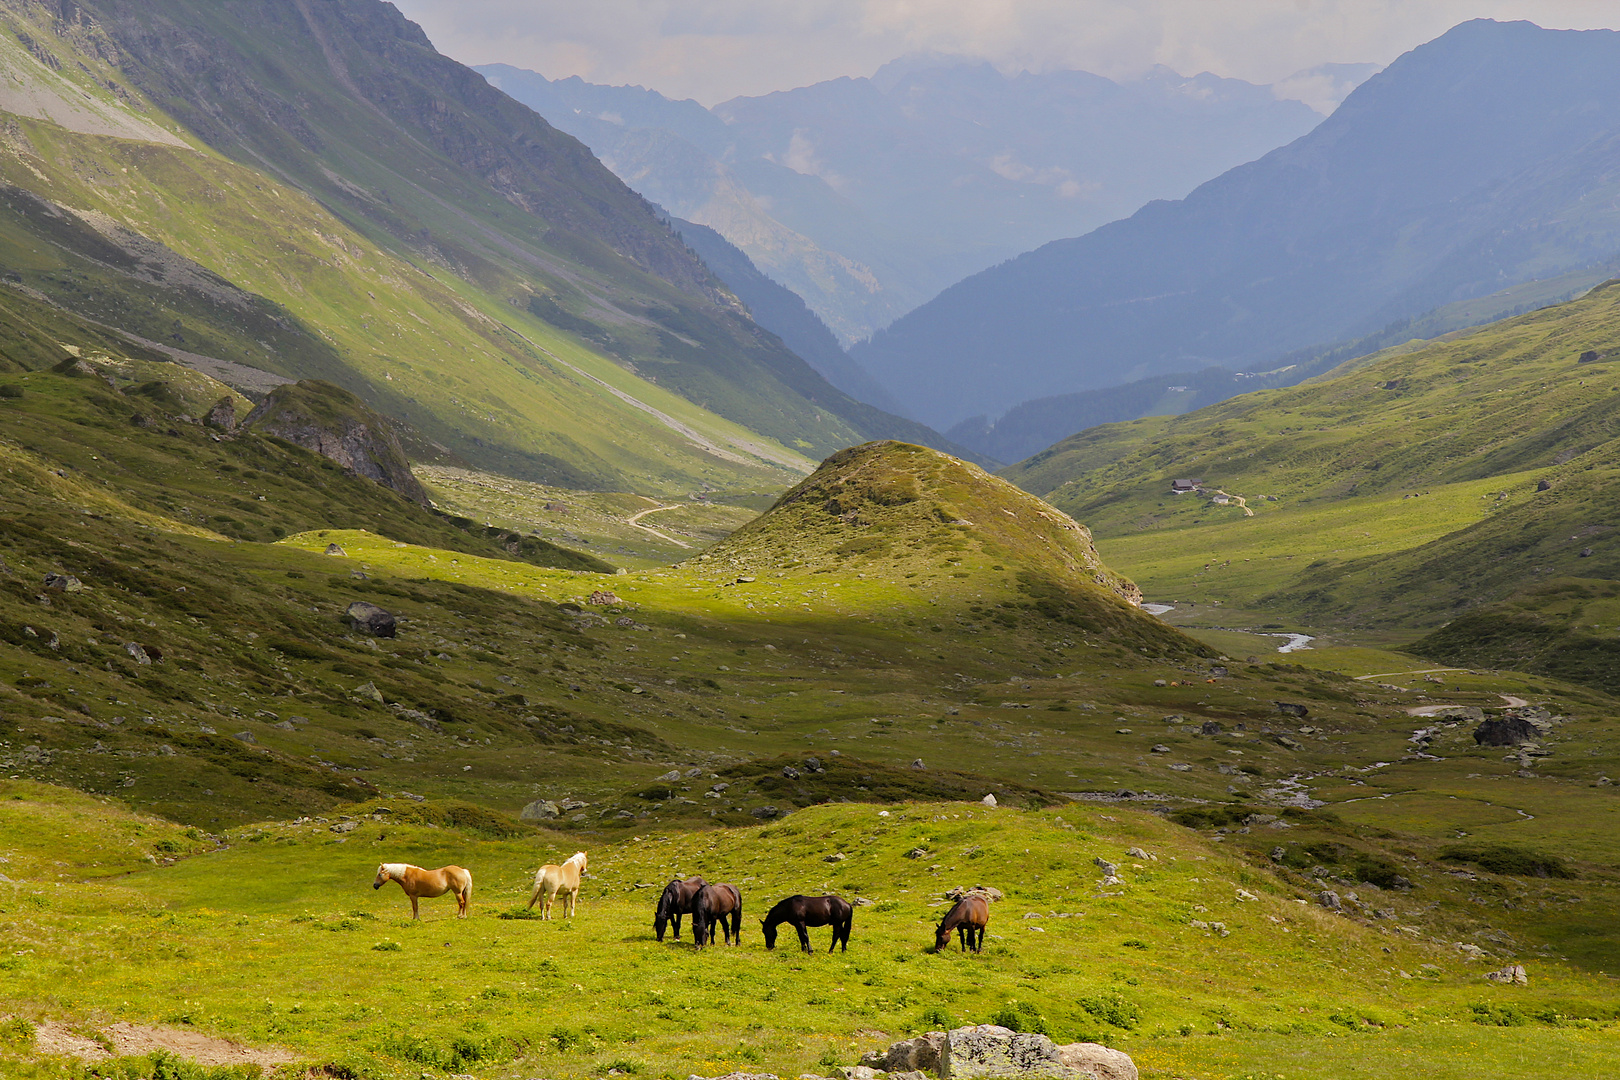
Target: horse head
770,934
383,876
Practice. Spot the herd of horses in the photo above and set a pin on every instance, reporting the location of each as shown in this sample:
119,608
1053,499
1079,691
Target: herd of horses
710,907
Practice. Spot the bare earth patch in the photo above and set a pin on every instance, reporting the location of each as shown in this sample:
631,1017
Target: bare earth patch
133,1040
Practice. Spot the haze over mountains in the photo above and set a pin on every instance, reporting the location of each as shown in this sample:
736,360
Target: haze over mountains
1482,159
868,196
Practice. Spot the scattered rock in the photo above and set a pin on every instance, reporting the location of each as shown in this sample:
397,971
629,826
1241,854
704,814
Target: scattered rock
1210,727
989,800
1108,868
989,892
1505,731
136,653
572,804
1470,950
1543,485
917,853
1291,708
602,598
369,691
371,619
1288,744
245,736
539,810
345,827
1138,853
837,856
739,1076
335,549
1330,900
222,416
790,772
1513,974
917,763
63,583
764,812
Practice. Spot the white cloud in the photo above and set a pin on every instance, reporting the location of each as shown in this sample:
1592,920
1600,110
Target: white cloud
716,49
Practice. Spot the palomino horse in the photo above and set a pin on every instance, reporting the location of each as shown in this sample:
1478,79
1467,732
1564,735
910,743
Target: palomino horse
430,883
551,880
802,911
720,904
968,918
678,898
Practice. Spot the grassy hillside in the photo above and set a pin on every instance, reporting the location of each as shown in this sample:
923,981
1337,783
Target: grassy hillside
313,192
1197,963
1391,492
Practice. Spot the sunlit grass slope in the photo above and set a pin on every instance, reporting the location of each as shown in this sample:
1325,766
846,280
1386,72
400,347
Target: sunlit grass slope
1435,455
1197,963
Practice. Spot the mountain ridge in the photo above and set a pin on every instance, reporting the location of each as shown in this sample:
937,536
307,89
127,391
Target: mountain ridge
1330,237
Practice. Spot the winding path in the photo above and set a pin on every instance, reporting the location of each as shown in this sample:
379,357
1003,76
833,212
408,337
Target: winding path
635,519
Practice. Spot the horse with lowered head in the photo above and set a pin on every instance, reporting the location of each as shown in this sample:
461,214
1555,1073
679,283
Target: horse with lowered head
805,911
418,882
552,879
678,898
968,918
717,905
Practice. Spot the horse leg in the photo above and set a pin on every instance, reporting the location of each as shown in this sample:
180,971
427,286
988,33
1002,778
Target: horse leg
978,946
414,913
677,921
804,936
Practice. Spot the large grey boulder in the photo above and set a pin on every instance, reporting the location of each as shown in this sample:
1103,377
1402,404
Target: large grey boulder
910,1055
1506,731
989,1050
540,810
371,619
1095,1059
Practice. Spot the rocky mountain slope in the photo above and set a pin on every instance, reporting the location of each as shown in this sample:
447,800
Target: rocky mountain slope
360,209
1481,159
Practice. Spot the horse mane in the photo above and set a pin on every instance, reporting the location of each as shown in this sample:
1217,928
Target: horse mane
396,869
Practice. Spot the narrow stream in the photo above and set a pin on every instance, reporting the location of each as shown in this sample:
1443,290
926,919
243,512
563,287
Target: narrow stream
1295,642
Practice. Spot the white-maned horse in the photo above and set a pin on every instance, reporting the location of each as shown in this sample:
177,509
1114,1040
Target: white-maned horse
550,880
430,883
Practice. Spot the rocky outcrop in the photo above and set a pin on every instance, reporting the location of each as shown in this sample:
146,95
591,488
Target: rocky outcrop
335,424
921,1054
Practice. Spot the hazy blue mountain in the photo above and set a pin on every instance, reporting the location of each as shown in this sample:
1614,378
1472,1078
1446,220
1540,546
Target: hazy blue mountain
1486,157
868,196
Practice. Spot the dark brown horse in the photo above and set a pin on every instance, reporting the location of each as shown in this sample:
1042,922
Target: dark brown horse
968,918
804,911
717,905
678,898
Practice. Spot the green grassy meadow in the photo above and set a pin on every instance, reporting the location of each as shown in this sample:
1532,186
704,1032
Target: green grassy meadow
1199,964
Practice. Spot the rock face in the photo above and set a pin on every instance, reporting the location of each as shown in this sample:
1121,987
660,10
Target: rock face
1514,974
335,424
371,619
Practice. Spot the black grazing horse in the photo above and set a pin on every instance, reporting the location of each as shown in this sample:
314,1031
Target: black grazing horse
968,918
678,898
717,904
804,911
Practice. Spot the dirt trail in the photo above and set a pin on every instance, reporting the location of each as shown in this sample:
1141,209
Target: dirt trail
1423,671
133,1040
1243,503
635,519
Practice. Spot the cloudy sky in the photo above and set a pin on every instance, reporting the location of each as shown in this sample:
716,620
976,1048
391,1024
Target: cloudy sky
716,49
